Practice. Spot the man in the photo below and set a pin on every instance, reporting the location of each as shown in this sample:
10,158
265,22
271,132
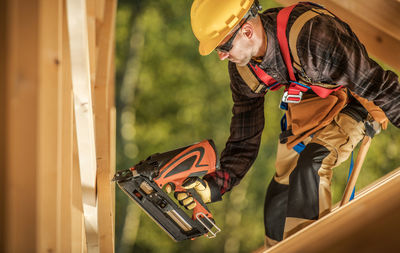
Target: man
323,123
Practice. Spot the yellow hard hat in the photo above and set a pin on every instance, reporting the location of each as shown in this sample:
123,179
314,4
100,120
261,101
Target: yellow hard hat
212,20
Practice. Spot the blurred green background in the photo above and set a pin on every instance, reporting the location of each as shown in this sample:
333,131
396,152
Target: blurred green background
168,96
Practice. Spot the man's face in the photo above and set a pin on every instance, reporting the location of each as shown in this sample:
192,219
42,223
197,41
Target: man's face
241,51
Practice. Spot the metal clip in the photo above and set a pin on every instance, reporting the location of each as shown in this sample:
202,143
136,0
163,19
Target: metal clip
292,98
213,234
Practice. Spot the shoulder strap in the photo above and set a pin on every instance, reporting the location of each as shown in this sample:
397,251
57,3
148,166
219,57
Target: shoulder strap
282,21
249,72
284,43
296,28
248,77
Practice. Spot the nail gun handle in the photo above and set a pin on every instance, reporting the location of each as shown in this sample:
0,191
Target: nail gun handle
201,207
203,215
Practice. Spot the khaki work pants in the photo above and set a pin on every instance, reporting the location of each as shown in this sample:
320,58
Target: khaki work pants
300,191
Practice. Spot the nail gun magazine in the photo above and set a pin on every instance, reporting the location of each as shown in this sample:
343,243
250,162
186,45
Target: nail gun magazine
145,181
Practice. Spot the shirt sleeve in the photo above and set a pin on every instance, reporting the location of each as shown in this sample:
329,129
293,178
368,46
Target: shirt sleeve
330,52
246,127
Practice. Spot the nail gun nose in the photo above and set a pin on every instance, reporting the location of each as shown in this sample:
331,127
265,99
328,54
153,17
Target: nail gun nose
122,175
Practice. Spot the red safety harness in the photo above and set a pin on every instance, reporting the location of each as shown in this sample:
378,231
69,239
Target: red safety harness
294,90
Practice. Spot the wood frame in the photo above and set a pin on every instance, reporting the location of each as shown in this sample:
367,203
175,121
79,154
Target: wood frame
68,193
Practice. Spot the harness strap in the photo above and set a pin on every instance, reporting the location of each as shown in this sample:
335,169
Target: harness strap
282,21
293,93
294,90
270,82
324,92
296,28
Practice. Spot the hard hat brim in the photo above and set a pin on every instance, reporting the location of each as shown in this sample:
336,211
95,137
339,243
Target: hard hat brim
205,48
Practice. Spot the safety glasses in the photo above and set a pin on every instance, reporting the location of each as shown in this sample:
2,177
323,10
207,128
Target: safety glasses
227,46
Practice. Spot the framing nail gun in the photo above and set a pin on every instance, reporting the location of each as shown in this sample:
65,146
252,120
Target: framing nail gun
143,183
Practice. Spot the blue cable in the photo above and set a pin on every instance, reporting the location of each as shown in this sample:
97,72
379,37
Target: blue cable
348,177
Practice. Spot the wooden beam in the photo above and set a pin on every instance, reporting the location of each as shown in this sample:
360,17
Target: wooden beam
369,223
104,104
78,35
375,22
49,116
382,14
21,125
66,197
91,28
3,118
78,238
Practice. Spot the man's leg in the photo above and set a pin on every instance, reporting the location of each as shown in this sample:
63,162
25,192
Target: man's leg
309,192
277,194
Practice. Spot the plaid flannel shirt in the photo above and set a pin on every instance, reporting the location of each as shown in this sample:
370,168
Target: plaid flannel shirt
329,53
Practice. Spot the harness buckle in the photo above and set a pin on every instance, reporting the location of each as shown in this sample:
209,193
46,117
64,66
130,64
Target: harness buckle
292,98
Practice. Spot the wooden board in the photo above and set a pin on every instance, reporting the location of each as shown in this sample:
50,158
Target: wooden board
369,223
81,82
21,125
104,105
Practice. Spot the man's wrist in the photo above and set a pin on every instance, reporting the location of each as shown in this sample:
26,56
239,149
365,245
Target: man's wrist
214,189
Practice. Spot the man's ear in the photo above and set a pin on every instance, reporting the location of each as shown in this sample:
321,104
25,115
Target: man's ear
248,30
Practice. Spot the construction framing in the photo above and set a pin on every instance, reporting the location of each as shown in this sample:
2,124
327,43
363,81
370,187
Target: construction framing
57,125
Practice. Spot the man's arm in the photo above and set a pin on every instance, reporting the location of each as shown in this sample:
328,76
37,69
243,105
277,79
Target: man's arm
330,52
247,124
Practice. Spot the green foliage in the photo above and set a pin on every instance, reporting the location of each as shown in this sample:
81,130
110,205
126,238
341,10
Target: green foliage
168,96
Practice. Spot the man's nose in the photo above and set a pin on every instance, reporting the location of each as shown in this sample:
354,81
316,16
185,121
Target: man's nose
222,55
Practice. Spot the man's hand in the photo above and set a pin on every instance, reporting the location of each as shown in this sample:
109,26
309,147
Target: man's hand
200,185
372,128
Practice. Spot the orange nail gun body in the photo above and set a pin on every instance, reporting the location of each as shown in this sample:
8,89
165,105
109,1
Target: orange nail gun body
143,183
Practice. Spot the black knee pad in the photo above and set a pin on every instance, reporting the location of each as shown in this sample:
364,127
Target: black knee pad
275,210
303,197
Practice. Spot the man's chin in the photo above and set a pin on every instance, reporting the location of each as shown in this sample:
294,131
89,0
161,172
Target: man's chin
242,63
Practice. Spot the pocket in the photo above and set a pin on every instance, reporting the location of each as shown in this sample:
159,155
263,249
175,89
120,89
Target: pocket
313,114
310,113
341,136
354,131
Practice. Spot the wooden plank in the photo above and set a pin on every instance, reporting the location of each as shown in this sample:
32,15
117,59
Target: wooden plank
67,160
382,14
113,134
49,134
78,239
377,183
78,35
383,43
91,28
21,140
103,105
3,118
113,121
82,97
100,5
372,217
